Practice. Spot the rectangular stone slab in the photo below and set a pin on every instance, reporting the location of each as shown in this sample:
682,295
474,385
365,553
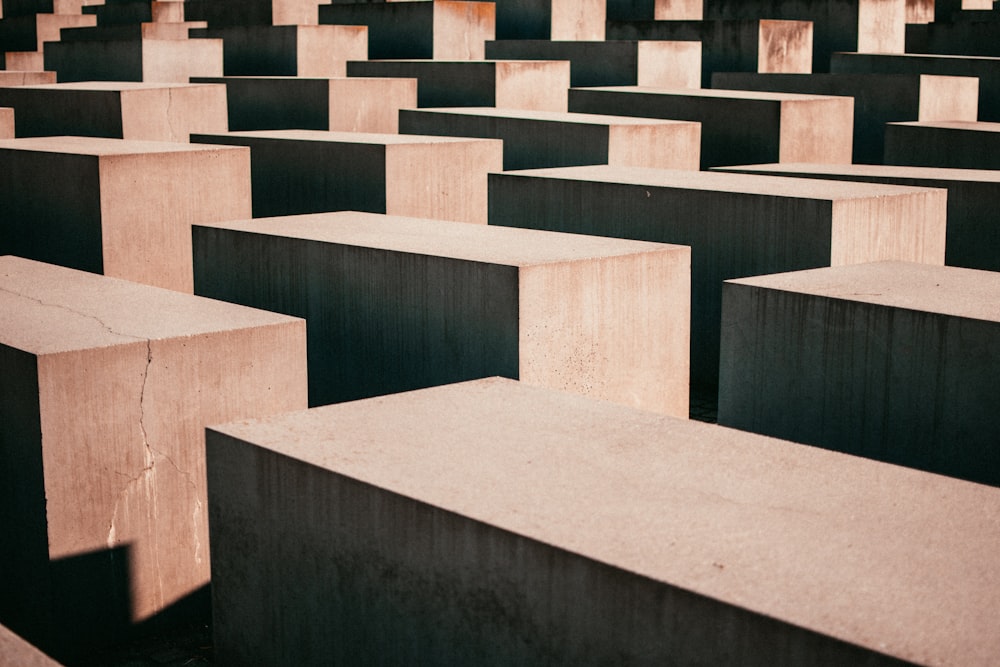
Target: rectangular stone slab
252,12
952,144
878,99
736,224
352,104
122,208
556,20
612,63
493,523
438,30
534,139
155,60
30,32
786,127
306,171
659,10
106,391
516,84
973,232
401,303
6,123
17,77
119,110
892,361
19,652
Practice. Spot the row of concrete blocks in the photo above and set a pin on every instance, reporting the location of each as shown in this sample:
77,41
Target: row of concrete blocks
499,522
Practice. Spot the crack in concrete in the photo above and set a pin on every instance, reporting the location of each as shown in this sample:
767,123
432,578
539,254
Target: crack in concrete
59,306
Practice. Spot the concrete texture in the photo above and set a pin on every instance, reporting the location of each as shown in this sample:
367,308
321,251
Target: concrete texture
732,46
30,32
534,139
973,236
122,208
119,110
891,361
6,123
987,70
736,224
16,651
612,63
867,26
954,10
493,523
107,388
18,75
155,60
290,50
557,20
352,104
306,171
955,144
439,30
541,85
785,127
962,38
658,10
878,99
395,304
920,11
252,12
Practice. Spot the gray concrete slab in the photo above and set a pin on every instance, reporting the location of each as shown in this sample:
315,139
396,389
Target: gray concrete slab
493,523
395,304
892,361
736,224
954,144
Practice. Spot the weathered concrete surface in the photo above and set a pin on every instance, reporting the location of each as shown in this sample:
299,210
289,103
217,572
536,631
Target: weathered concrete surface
515,84
659,10
973,236
352,104
892,361
307,171
122,208
155,60
493,523
557,20
6,123
253,12
290,50
953,10
22,78
119,110
867,26
986,69
920,11
963,38
439,30
786,127
16,651
616,62
28,62
736,224
535,139
732,46
956,144
30,32
106,391
878,99
395,304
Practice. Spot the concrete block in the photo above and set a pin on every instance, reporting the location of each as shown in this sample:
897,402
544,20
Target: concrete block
352,104
878,99
122,208
155,60
13,8
987,70
6,123
494,523
16,651
867,26
308,171
973,237
439,29
142,11
612,63
10,78
956,144
515,84
784,126
557,20
535,139
221,13
290,50
658,10
120,110
30,32
732,46
919,11
892,361
954,10
736,224
107,388
395,304
27,62
964,38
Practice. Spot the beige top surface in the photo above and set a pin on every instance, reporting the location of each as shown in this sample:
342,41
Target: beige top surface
718,181
555,116
971,125
878,170
348,137
946,290
894,559
714,93
48,309
100,146
113,86
458,240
